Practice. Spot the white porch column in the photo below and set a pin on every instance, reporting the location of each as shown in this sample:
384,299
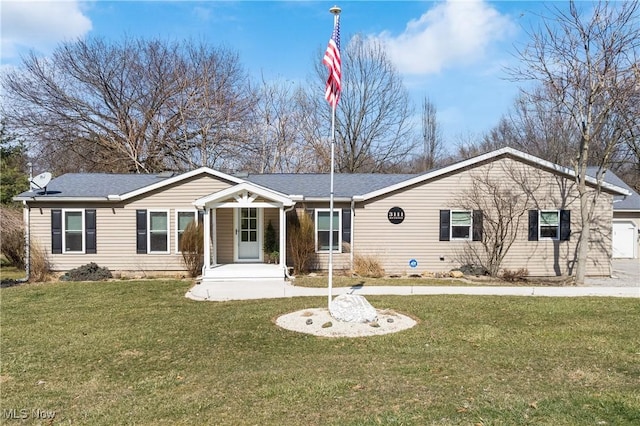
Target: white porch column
282,248
207,239
214,234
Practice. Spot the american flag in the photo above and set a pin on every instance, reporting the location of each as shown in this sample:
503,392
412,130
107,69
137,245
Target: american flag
332,61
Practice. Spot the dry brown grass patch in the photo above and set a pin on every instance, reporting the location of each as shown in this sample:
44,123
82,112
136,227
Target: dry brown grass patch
367,266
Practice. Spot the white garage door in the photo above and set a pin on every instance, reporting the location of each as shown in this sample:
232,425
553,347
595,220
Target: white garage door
624,239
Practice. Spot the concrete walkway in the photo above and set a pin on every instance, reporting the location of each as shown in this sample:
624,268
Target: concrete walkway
624,282
245,290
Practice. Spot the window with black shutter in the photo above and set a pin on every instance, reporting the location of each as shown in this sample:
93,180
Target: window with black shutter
445,216
141,231
346,226
460,225
56,231
90,231
549,225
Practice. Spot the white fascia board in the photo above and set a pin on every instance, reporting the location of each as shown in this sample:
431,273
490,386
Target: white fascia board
241,187
58,199
327,199
258,204
180,177
568,171
485,157
435,173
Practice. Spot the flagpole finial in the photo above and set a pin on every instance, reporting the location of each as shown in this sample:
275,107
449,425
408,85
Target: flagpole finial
335,10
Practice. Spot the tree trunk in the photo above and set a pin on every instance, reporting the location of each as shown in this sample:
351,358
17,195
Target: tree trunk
585,217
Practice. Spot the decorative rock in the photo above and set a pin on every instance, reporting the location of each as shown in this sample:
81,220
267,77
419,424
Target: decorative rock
327,324
389,320
352,308
309,321
374,324
457,274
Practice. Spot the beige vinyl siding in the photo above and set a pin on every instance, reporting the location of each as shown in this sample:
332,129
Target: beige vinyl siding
418,236
116,227
341,261
225,230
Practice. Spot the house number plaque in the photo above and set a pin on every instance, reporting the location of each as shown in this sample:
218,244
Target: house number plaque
395,215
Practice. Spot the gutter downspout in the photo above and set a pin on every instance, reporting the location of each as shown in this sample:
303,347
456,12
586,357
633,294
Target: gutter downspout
353,215
26,215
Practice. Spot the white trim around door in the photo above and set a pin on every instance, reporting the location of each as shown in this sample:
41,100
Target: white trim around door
247,238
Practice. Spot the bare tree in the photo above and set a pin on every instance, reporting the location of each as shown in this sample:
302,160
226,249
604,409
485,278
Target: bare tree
373,127
536,127
277,144
136,105
501,199
587,62
433,147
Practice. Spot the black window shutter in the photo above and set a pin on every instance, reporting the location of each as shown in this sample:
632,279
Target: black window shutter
346,226
90,231
141,231
477,225
56,231
565,225
533,225
445,220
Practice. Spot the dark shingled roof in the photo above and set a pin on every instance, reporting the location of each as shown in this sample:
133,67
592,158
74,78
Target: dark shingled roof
632,202
101,185
312,185
92,185
316,185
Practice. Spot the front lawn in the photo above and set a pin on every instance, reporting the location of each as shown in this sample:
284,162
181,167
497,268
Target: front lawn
138,352
319,281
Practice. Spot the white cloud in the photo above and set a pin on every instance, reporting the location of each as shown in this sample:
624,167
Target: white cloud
451,33
40,25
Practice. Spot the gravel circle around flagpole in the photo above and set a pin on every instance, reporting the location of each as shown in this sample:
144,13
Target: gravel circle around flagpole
318,322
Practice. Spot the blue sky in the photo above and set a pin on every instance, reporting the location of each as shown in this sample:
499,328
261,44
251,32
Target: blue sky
454,52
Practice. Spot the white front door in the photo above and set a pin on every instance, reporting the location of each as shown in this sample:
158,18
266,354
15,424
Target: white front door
248,234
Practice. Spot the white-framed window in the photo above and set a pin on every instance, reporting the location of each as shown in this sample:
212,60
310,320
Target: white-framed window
183,219
73,231
461,224
322,230
158,231
549,224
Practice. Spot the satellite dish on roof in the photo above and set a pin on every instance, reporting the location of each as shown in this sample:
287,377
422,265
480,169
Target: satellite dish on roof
42,180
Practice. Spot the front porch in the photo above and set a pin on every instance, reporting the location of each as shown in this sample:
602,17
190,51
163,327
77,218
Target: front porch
235,221
244,271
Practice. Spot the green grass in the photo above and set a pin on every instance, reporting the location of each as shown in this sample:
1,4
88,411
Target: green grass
342,281
319,281
138,352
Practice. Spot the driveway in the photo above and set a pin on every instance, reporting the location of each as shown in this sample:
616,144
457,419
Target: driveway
626,273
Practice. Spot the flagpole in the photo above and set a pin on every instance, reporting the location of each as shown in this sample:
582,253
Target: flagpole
333,144
335,10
